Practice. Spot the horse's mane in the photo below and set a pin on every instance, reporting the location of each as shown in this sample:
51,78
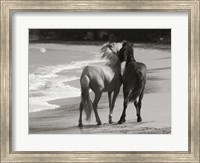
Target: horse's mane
110,51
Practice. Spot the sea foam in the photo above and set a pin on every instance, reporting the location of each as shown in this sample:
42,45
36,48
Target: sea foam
46,84
38,103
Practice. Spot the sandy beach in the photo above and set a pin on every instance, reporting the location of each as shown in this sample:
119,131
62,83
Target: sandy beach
57,111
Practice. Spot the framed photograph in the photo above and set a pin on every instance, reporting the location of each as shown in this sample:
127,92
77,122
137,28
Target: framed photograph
99,81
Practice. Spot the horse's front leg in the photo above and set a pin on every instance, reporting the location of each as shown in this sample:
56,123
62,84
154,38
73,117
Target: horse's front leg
95,103
116,92
110,103
126,100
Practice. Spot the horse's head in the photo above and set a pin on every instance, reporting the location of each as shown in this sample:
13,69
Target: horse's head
110,51
126,52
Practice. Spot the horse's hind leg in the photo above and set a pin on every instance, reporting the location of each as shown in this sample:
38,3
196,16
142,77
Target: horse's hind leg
139,119
138,106
95,103
80,118
116,92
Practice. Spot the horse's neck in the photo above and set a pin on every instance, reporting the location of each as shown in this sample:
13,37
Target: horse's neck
131,58
115,63
115,67
130,61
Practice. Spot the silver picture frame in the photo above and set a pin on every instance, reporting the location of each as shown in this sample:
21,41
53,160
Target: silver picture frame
8,7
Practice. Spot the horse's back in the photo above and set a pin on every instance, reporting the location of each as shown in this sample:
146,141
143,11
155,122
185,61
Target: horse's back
102,78
136,67
140,66
141,69
134,73
90,70
98,72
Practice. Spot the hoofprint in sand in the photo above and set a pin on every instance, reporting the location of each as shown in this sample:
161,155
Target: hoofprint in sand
55,71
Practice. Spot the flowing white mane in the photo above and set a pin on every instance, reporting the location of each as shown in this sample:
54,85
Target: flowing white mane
109,51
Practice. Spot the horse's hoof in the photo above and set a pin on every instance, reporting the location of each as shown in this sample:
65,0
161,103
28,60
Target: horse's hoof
80,125
110,121
99,123
121,121
139,120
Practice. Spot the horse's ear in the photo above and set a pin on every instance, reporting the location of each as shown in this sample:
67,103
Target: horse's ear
124,42
132,44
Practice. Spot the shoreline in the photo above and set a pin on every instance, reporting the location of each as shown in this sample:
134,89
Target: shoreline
49,120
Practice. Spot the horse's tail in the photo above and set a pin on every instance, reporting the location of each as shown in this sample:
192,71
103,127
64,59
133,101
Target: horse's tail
85,96
141,81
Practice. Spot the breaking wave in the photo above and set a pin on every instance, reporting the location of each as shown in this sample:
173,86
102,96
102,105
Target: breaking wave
47,84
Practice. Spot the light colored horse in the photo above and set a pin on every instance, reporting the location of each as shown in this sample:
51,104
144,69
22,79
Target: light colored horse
134,80
99,79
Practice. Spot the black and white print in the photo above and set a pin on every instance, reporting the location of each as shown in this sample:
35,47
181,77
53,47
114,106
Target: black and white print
99,81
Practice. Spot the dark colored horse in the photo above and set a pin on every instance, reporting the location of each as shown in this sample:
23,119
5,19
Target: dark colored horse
99,79
134,80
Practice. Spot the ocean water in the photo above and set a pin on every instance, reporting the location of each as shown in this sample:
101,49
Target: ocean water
52,66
